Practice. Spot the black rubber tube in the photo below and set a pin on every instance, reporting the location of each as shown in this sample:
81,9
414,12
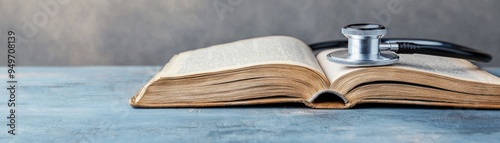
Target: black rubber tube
454,52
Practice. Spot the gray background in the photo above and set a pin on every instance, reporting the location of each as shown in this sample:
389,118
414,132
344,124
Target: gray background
123,32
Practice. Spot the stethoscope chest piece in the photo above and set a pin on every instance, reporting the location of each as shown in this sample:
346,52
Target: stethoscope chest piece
363,47
342,56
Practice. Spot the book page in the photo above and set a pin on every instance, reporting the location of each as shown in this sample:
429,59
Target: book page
451,67
244,53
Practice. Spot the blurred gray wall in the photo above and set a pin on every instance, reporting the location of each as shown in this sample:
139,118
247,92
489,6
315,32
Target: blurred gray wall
126,32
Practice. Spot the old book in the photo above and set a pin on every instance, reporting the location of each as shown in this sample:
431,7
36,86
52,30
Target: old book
281,69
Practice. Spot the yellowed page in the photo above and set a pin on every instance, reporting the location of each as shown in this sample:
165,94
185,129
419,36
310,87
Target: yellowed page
451,67
244,53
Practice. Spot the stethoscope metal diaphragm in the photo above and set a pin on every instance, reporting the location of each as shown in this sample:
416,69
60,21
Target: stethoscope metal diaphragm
363,47
342,56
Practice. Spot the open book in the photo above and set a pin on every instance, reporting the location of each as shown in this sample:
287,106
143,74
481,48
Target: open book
280,69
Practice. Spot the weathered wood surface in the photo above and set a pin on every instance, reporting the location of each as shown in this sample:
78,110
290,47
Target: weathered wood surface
90,104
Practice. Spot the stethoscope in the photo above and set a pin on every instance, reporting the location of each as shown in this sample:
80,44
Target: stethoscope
366,48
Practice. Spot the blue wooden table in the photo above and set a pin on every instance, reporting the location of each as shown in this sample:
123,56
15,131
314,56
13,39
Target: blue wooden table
90,104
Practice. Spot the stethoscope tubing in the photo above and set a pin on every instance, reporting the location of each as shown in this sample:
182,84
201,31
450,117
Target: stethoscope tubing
419,46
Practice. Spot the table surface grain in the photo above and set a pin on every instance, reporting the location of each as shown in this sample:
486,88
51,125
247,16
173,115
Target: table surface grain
90,104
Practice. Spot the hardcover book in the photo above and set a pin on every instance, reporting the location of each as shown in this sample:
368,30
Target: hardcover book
280,69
